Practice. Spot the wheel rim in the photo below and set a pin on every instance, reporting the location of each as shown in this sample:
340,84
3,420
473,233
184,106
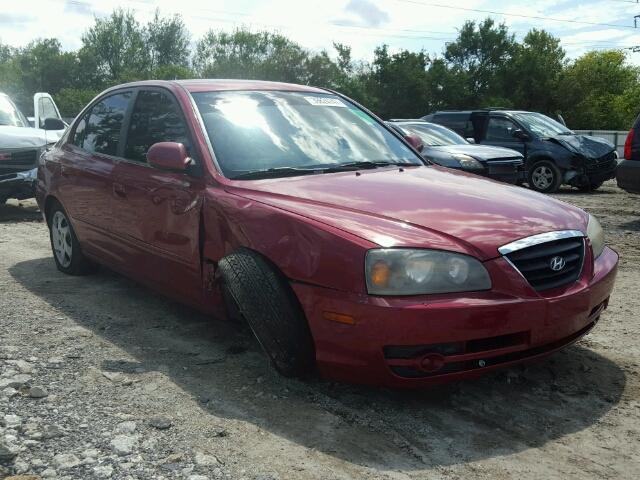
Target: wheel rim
542,177
61,239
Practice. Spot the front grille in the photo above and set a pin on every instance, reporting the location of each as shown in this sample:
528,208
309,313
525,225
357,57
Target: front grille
18,160
503,168
535,263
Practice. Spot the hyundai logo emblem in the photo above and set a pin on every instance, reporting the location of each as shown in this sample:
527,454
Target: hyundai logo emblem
557,263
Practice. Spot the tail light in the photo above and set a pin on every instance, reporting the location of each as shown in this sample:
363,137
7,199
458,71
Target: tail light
627,144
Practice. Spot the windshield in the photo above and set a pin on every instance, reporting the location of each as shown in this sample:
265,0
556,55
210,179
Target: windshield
542,125
9,114
434,135
261,130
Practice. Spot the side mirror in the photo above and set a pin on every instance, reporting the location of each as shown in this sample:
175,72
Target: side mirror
168,156
521,135
470,140
415,142
54,124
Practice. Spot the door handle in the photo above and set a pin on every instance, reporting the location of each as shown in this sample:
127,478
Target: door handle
119,189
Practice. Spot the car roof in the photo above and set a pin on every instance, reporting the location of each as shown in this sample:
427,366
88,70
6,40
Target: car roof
209,85
479,110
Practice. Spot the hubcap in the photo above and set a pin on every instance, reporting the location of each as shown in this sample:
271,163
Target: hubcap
61,239
542,177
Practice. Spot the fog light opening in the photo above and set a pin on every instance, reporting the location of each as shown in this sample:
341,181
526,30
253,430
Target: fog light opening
432,362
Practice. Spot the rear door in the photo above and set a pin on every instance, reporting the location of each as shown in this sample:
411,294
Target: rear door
87,172
459,122
158,212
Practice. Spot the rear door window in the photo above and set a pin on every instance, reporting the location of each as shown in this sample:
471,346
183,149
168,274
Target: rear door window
104,124
155,118
458,122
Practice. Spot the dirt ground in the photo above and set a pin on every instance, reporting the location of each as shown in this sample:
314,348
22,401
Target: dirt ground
140,387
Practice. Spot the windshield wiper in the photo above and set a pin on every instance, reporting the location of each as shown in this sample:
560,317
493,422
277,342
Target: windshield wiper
366,164
276,172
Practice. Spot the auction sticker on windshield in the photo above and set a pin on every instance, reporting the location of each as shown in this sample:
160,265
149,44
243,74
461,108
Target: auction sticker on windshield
325,101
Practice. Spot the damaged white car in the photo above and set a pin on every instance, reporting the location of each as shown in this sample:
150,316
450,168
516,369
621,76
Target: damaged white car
22,141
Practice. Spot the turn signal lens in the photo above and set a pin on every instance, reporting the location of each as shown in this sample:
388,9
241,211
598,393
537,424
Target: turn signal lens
380,274
339,317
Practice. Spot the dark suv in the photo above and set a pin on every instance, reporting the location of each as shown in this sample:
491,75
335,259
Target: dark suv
554,155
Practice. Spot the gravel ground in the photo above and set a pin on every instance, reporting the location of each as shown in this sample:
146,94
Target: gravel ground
102,378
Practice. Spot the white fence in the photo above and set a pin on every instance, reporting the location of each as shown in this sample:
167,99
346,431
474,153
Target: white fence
614,136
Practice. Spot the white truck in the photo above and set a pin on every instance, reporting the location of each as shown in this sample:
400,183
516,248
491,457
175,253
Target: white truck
22,141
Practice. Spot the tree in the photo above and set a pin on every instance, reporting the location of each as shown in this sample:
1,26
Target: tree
167,42
446,87
593,86
352,77
244,54
482,50
117,46
398,83
534,72
38,67
71,101
321,71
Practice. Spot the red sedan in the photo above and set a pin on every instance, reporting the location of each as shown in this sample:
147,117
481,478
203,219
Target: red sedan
296,210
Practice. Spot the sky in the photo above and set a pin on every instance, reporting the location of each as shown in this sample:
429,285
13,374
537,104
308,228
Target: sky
362,24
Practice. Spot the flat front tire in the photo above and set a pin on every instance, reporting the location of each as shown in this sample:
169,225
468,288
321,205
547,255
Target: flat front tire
64,244
255,291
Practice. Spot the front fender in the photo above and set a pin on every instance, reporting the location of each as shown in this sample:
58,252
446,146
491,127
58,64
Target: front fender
303,249
554,152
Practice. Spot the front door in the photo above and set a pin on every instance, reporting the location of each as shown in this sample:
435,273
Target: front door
158,212
500,133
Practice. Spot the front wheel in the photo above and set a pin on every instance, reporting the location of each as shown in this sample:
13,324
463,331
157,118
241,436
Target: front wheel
255,291
545,177
65,246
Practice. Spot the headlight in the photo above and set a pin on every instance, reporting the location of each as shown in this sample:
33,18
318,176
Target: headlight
401,271
467,161
596,236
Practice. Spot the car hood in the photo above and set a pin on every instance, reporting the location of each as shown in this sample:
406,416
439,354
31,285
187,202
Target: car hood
480,152
589,147
424,207
25,137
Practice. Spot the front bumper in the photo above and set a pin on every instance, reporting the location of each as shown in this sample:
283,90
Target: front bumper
20,185
600,171
418,341
504,171
628,176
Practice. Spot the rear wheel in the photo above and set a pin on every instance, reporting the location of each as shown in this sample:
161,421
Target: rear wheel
545,176
255,291
64,244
